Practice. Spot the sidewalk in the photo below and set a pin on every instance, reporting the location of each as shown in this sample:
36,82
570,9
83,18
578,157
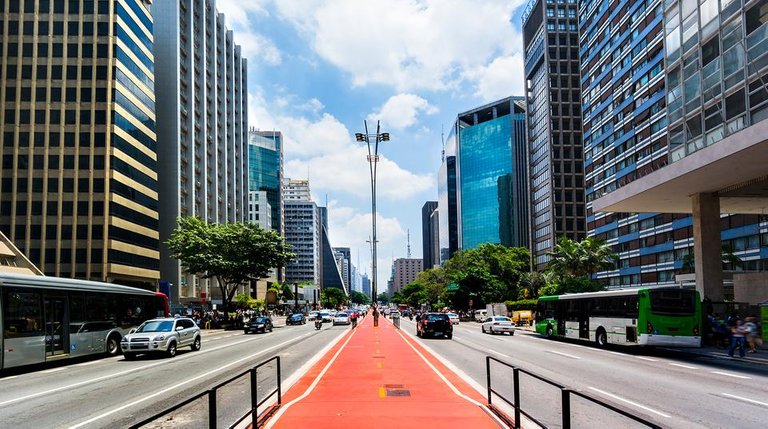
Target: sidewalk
376,377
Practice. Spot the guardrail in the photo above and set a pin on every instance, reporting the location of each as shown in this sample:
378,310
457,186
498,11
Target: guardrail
211,393
565,398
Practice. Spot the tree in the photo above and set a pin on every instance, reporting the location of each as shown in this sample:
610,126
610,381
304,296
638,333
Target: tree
286,292
414,294
578,259
435,282
383,298
332,297
531,283
233,253
397,297
359,297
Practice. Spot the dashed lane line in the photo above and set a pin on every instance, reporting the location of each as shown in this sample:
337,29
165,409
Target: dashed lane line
646,359
743,377
682,366
627,401
741,398
564,354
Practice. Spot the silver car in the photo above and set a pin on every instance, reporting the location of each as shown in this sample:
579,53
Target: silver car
498,325
163,335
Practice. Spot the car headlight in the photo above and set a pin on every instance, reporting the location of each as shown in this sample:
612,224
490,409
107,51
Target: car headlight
159,338
260,326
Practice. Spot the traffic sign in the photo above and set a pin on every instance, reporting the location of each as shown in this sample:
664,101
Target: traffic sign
453,286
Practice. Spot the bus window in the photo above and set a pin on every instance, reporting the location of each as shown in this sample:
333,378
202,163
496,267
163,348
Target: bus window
675,301
22,316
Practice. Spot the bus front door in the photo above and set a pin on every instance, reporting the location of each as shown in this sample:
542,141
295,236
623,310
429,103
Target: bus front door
56,326
584,320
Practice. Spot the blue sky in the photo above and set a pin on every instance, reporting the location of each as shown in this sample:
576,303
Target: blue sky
318,68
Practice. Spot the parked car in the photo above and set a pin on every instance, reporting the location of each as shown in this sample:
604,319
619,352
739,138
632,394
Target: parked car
498,325
341,319
435,324
454,318
163,335
296,319
258,324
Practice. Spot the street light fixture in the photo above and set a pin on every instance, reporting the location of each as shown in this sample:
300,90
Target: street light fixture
372,141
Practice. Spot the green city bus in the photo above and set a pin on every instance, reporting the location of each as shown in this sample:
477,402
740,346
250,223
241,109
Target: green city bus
651,316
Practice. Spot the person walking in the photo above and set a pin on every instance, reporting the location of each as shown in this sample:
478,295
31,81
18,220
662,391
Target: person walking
738,337
353,317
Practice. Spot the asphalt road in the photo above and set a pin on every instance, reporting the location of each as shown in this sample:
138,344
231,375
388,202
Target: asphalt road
113,392
672,388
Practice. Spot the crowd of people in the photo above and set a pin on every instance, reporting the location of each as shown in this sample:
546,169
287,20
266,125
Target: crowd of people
734,333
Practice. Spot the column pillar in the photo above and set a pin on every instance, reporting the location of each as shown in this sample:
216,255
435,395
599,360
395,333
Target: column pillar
707,246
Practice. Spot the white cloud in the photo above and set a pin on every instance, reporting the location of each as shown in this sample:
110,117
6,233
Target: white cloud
238,16
501,78
402,110
407,44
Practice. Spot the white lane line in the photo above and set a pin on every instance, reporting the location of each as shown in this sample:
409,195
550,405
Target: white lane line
500,354
8,378
178,385
87,363
743,377
741,398
682,366
311,387
645,358
616,353
47,371
564,354
619,398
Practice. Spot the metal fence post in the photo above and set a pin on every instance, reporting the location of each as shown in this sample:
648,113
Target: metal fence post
279,384
566,404
212,409
516,390
488,377
254,397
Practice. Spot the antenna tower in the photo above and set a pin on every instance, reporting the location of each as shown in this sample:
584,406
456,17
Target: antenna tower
409,244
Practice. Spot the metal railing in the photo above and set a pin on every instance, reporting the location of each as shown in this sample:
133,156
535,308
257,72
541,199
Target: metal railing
211,393
565,398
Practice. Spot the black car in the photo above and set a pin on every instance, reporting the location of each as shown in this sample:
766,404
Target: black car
296,319
258,324
435,324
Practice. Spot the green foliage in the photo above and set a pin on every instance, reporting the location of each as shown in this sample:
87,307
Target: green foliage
414,294
359,297
571,285
523,304
244,301
531,283
286,292
383,298
571,258
397,298
435,282
332,297
233,253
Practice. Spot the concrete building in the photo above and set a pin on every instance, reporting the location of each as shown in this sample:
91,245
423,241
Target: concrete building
641,117
343,257
430,240
553,118
303,231
366,282
404,271
79,187
491,175
713,109
265,172
296,190
202,96
259,210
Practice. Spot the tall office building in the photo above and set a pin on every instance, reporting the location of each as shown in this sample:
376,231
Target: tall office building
296,190
491,178
404,271
202,98
259,209
555,147
343,257
429,234
706,94
303,231
265,171
366,282
79,187
447,204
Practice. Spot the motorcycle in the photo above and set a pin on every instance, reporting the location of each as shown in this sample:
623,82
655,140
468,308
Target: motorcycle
318,323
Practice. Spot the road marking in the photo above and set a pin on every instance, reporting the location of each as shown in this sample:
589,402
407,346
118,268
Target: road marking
744,377
87,363
645,358
619,398
500,354
53,370
683,366
8,378
741,398
564,354
178,385
616,353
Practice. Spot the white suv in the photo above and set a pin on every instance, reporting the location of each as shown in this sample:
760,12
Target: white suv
164,335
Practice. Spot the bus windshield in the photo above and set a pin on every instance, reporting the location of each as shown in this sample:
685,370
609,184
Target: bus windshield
677,301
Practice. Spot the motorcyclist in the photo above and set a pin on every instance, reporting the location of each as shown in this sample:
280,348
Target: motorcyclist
318,321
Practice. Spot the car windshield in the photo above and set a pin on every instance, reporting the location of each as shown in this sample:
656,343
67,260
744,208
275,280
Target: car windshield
342,315
261,320
156,326
452,315
296,316
324,314
502,319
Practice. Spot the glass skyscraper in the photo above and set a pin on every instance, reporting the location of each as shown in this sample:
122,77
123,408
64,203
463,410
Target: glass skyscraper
448,231
79,188
492,175
265,171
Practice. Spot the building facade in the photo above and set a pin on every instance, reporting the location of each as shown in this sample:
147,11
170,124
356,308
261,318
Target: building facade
553,116
404,271
429,234
265,172
491,175
79,187
259,209
296,190
366,282
343,257
303,233
447,203
202,98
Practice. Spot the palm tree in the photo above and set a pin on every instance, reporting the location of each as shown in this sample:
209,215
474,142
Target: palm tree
579,259
598,256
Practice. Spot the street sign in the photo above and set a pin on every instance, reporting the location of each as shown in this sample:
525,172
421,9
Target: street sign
453,286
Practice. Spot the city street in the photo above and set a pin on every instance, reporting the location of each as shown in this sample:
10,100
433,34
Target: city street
675,389
113,392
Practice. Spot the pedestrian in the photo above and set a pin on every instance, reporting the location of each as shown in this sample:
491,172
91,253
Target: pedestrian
738,336
752,334
353,317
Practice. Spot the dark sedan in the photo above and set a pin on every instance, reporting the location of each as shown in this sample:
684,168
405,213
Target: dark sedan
296,319
258,324
434,324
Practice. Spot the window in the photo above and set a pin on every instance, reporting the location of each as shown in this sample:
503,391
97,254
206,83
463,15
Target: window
22,313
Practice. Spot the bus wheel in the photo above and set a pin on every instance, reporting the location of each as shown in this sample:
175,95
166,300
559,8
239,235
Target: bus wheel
113,345
549,331
601,338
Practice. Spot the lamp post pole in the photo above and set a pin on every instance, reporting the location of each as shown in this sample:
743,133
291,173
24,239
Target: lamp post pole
373,159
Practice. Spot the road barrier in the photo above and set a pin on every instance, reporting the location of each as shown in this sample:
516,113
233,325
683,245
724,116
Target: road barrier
211,393
565,399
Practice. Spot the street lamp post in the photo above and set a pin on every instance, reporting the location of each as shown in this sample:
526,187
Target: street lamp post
373,159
